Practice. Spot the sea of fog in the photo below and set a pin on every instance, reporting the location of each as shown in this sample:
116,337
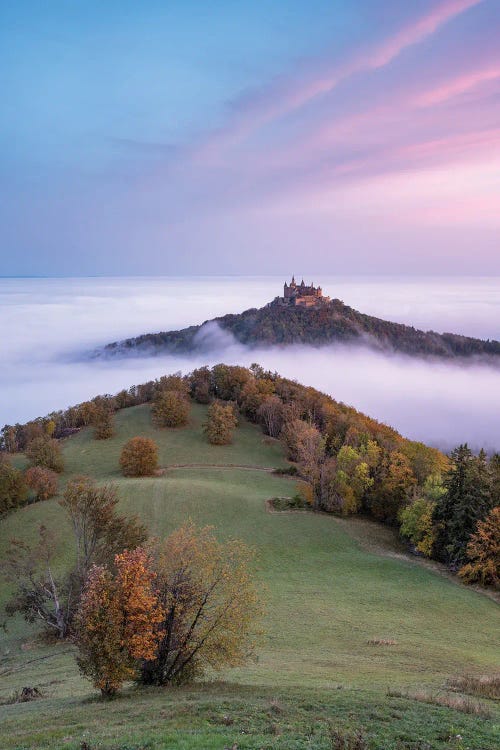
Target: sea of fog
49,326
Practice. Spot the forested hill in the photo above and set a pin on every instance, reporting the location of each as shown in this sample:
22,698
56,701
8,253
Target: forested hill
329,323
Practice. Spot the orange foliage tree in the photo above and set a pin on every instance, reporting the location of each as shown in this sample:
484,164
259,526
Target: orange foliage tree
139,457
483,551
42,481
117,621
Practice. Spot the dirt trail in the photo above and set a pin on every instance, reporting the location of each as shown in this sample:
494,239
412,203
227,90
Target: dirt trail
245,467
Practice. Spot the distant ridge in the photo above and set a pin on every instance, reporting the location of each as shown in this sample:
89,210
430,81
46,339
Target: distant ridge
283,323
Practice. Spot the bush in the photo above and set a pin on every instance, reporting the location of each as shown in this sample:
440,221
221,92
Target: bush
139,457
42,481
221,422
46,452
13,489
170,409
209,604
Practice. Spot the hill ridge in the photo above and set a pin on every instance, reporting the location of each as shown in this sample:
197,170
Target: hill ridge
328,323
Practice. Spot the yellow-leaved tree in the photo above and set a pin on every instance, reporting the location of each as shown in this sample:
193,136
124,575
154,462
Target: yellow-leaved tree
209,603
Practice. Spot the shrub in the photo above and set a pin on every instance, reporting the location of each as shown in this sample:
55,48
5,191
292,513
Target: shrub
209,605
221,422
139,457
13,489
46,452
43,482
170,409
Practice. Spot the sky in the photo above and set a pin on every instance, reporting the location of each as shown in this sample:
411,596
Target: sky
231,137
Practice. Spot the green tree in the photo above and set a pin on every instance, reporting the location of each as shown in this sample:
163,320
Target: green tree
467,500
417,524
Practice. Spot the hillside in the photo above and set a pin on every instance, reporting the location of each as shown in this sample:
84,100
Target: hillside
331,586
332,322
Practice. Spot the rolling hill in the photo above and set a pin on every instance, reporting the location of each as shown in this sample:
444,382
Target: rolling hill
331,322
357,635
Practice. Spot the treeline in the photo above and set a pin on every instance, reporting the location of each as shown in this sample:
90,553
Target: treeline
446,507
325,324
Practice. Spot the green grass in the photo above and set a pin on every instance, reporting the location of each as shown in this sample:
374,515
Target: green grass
326,597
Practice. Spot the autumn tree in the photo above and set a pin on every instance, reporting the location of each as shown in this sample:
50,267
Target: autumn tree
393,483
228,381
46,452
38,593
483,551
170,409
98,534
43,482
116,622
253,394
200,385
209,605
13,488
270,414
103,423
175,382
139,457
221,422
344,480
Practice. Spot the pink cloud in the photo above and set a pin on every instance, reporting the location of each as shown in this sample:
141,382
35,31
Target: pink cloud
457,87
279,100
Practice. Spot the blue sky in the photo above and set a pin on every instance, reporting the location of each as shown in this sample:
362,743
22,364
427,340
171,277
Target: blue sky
235,137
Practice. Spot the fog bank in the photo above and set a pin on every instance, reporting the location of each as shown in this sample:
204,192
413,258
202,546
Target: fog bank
48,326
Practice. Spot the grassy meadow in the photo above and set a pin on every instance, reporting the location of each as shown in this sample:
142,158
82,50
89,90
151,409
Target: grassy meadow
330,586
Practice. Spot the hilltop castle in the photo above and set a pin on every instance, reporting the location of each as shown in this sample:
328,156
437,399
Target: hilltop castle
301,294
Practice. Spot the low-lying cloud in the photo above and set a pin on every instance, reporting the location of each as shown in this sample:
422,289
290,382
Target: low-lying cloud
437,402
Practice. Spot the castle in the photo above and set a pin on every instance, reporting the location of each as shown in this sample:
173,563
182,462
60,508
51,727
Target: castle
300,294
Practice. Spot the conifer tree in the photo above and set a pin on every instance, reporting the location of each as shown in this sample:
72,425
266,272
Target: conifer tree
468,499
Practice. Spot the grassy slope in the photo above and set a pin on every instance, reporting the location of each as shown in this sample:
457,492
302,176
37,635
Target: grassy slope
326,597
